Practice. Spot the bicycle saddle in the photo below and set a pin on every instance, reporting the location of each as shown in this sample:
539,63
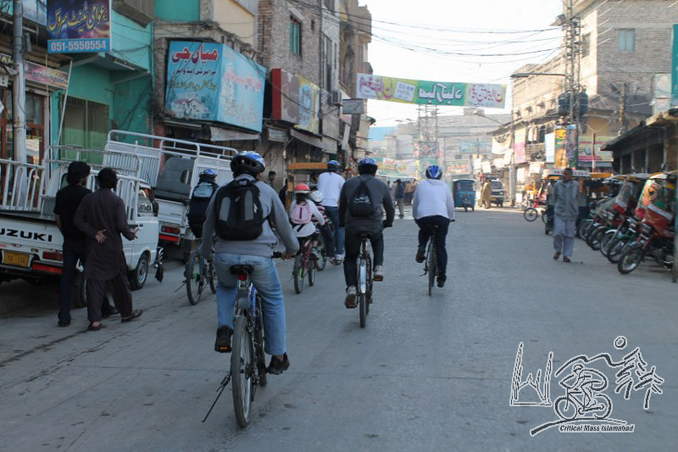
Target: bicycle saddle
236,269
365,235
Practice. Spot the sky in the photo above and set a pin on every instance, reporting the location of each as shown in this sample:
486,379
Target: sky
420,40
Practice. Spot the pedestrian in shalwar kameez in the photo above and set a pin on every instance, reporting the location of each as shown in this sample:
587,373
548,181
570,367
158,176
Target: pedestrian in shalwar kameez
566,194
101,217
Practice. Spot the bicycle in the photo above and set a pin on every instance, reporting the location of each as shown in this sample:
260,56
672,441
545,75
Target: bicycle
365,276
198,274
303,267
431,260
248,359
537,209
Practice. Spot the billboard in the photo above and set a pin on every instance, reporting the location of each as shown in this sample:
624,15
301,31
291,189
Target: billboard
458,167
588,151
78,26
424,92
295,100
564,147
213,82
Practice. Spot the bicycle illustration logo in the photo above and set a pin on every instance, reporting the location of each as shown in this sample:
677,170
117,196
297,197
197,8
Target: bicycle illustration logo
585,407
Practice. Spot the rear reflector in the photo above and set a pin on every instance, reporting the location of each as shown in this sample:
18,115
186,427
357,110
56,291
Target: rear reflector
169,238
53,256
47,269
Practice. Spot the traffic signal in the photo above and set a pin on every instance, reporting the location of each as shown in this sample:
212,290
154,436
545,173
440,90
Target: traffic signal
565,99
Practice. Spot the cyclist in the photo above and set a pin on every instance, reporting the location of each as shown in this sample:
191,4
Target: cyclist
200,199
247,168
360,209
433,206
328,229
330,184
303,212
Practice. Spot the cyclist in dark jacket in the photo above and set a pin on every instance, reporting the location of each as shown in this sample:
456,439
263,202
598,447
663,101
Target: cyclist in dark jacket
200,199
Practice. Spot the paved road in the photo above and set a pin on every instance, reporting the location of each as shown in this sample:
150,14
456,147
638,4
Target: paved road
426,374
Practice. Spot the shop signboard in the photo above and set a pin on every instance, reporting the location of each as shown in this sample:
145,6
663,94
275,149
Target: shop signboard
564,147
295,100
550,147
519,149
213,82
46,75
589,151
78,26
423,92
461,166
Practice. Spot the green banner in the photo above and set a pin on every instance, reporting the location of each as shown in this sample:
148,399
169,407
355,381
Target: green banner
424,92
674,64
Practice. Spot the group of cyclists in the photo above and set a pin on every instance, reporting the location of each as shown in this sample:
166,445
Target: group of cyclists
242,223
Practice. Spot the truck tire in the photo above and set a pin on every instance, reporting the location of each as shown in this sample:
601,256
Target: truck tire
138,277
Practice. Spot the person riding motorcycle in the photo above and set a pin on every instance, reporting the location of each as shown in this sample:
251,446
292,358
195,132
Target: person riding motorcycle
433,206
200,200
360,211
247,168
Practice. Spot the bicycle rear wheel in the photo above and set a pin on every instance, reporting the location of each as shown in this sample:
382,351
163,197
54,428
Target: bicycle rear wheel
259,337
298,274
311,273
241,374
212,277
194,282
432,267
362,304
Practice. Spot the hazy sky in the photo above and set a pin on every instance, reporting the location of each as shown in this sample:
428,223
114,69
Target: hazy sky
438,29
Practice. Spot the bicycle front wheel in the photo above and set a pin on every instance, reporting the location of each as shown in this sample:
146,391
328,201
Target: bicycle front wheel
531,214
298,274
193,279
241,373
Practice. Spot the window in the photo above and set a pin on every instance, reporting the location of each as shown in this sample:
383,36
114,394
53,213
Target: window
586,45
295,36
328,63
86,124
329,4
626,40
35,127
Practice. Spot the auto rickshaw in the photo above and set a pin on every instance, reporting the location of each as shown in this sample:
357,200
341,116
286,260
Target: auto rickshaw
301,173
464,192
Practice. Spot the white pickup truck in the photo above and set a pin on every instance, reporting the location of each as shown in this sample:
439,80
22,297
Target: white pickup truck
172,167
31,243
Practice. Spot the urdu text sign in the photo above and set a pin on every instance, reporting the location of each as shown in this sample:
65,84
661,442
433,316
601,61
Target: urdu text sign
79,26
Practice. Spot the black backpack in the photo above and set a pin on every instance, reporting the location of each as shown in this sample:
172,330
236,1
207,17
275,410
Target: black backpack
238,211
362,205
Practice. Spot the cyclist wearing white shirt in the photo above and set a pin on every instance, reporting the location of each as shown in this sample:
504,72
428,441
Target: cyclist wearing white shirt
433,206
330,184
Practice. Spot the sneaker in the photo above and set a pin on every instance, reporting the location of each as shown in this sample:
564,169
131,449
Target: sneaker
315,254
421,255
351,293
441,280
378,273
223,342
277,367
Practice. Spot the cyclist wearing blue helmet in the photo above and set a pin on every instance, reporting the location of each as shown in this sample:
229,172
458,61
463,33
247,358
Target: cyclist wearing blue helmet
330,184
225,231
433,206
360,210
200,199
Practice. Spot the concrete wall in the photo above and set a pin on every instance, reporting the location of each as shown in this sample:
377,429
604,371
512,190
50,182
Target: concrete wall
233,17
178,10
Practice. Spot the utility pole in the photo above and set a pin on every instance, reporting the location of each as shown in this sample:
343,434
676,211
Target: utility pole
19,86
573,64
622,110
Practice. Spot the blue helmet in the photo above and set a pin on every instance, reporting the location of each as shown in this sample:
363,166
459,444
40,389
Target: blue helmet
434,172
248,162
209,172
367,164
333,165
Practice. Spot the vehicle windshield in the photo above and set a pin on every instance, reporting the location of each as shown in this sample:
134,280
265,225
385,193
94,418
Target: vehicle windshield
465,186
497,184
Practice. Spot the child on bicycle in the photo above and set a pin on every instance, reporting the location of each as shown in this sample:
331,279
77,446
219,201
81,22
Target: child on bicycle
302,213
327,230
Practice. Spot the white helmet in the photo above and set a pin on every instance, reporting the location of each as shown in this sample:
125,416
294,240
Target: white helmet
316,196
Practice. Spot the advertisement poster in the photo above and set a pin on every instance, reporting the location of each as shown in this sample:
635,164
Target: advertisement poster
519,149
550,147
456,167
295,100
587,150
212,82
424,92
45,75
564,147
79,26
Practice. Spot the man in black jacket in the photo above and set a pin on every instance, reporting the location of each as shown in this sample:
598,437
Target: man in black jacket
372,223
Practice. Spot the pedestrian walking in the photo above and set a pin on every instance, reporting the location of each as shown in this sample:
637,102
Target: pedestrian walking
486,194
409,192
101,217
566,207
271,178
399,196
66,204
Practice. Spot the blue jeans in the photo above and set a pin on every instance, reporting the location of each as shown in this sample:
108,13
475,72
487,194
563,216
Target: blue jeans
333,215
266,281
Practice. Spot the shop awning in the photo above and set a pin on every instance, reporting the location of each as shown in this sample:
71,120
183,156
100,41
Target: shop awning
221,134
308,139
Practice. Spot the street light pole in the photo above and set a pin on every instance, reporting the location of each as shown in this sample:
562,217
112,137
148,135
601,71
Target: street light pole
19,85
